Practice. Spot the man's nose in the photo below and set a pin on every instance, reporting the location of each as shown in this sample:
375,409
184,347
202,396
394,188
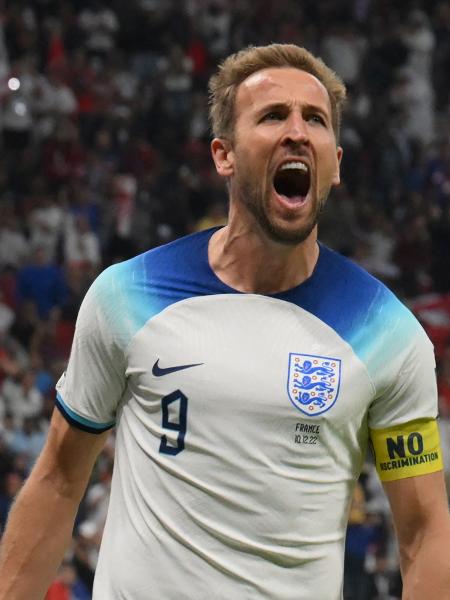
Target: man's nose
296,130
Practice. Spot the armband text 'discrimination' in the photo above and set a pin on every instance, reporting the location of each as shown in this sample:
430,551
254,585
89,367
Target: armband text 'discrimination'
407,450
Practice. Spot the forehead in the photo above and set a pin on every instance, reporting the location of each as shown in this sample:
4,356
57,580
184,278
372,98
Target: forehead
281,85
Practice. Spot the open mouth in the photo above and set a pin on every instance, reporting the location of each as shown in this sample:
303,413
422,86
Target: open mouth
292,181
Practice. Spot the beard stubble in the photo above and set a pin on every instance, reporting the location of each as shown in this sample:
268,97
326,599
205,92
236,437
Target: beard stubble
257,202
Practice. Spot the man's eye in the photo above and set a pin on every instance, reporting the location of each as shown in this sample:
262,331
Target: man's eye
315,118
273,115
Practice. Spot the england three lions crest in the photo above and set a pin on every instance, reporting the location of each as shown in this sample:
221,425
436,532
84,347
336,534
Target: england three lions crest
313,382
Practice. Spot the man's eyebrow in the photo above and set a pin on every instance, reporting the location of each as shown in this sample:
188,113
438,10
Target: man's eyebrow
273,106
284,106
319,109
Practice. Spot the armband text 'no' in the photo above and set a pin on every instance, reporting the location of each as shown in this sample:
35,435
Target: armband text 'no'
407,450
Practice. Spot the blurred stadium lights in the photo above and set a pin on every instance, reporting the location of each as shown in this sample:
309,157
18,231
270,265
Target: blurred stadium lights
13,84
20,108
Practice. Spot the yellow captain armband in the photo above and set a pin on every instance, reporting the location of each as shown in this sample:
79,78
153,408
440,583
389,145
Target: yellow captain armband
407,450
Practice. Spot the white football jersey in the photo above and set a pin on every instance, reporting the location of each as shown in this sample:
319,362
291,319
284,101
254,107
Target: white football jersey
242,420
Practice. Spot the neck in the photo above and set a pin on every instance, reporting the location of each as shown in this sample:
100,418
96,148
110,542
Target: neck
245,259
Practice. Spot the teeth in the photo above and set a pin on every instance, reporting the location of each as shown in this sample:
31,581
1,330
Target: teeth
295,165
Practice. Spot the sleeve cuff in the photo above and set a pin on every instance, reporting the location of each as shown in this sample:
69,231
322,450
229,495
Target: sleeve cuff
81,422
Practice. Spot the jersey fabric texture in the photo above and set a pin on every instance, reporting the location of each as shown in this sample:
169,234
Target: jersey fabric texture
242,420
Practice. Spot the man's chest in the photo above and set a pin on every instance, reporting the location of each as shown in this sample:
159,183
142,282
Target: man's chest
248,370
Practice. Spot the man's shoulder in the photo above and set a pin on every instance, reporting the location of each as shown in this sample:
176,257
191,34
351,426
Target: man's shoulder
356,304
129,293
178,259
346,272
187,250
187,246
343,284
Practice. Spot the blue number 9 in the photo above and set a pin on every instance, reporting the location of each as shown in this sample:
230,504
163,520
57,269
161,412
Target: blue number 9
180,426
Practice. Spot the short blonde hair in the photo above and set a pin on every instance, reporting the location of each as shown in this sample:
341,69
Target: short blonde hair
237,67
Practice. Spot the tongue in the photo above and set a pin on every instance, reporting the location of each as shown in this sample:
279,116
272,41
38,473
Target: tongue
293,199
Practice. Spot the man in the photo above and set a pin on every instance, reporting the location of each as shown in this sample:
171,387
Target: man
245,369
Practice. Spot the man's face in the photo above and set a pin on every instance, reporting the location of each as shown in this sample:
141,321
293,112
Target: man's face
283,159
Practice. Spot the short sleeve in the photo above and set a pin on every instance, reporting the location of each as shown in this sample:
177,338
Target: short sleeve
408,389
402,419
90,390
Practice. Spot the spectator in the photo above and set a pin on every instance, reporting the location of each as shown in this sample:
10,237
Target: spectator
45,221
419,39
216,27
20,397
42,282
81,246
6,316
67,585
215,216
63,160
176,75
14,246
27,439
343,49
99,25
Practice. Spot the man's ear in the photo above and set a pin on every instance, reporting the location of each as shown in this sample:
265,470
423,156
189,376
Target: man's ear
337,174
223,156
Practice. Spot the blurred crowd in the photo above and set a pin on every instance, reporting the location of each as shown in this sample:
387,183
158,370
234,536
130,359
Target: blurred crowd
105,153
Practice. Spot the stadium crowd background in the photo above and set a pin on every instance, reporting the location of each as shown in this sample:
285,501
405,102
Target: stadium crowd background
105,153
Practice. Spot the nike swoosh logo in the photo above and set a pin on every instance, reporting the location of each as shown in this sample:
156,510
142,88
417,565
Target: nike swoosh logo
158,371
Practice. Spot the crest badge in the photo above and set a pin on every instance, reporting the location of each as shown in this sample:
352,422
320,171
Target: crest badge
313,382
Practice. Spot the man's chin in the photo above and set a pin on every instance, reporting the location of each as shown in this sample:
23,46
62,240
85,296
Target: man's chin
287,229
289,235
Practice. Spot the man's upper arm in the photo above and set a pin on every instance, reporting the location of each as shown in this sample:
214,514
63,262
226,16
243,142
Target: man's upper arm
68,457
419,506
90,390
